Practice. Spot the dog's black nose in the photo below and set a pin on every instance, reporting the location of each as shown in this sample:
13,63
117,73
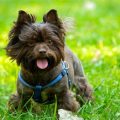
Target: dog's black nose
42,51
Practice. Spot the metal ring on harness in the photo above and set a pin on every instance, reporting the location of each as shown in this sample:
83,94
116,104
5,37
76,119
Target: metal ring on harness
66,65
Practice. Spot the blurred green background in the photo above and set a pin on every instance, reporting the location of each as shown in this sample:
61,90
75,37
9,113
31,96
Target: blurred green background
95,39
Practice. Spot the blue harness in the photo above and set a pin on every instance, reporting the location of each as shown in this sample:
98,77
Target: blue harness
39,88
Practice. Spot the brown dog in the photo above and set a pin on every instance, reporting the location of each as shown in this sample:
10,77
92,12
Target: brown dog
40,50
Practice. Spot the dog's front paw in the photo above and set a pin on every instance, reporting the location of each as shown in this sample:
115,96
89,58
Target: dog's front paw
84,94
88,93
68,102
13,103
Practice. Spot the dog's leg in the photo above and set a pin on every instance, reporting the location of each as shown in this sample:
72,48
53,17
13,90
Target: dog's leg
67,101
83,89
18,102
13,102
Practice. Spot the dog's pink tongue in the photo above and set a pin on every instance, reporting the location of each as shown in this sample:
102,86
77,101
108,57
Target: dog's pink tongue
42,63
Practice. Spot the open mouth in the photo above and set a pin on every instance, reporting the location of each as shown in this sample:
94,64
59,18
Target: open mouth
42,63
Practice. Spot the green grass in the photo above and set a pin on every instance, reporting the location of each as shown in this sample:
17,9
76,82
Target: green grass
95,40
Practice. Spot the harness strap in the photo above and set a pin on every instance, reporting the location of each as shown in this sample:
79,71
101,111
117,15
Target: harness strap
23,81
37,93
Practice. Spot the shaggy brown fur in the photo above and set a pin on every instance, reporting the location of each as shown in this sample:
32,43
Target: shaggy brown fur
31,42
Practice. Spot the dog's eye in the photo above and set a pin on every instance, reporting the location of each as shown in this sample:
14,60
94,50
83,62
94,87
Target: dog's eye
50,42
30,44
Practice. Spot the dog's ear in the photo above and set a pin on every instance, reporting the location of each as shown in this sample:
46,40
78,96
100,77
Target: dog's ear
52,17
24,18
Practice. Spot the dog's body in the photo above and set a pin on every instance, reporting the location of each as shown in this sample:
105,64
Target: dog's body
40,50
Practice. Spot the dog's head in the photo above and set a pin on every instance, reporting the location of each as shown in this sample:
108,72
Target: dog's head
37,46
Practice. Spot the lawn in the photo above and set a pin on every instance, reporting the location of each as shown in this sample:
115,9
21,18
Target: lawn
95,39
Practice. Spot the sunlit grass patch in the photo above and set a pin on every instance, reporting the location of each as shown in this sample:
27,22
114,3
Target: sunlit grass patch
3,40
